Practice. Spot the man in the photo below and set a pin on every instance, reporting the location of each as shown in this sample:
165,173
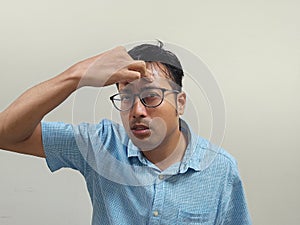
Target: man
147,171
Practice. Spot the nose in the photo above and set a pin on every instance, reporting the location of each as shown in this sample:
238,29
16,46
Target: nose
138,109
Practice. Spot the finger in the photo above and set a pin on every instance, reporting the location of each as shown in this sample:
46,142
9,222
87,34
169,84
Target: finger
124,76
131,75
140,66
149,76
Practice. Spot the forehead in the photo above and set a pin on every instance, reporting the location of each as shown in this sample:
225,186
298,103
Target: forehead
158,69
159,73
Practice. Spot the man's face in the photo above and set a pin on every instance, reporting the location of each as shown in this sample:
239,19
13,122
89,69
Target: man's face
148,128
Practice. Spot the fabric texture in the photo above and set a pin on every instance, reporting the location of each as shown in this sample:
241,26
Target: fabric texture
126,188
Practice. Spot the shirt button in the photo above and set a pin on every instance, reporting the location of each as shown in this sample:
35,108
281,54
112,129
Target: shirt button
155,213
161,177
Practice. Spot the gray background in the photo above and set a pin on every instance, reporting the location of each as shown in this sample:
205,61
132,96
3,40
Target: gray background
251,47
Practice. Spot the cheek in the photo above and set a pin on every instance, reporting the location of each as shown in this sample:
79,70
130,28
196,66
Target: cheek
159,125
168,109
170,102
169,114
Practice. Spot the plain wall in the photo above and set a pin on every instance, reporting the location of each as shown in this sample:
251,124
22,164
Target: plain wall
251,47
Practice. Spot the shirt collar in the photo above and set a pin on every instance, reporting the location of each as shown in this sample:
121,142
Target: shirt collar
132,150
191,156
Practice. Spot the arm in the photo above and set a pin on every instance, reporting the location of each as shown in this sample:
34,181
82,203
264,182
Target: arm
20,129
236,212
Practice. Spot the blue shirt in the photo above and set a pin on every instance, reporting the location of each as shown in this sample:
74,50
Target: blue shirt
125,188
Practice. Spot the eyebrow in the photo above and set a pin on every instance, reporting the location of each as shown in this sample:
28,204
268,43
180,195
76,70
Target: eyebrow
127,88
149,87
125,91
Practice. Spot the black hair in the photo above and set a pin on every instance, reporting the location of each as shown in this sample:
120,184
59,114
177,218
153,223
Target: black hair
156,53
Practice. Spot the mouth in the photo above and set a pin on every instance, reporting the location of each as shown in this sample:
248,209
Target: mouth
140,130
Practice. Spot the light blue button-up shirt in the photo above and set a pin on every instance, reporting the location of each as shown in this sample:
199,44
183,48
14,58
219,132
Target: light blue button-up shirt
127,189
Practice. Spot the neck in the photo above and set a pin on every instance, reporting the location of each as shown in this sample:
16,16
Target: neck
169,152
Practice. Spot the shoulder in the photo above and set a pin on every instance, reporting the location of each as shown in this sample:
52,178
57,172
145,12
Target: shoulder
105,129
110,128
205,155
88,127
215,157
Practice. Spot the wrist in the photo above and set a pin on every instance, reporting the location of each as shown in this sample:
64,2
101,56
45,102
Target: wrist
73,76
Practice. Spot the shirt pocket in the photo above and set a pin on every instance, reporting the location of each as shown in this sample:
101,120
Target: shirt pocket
201,218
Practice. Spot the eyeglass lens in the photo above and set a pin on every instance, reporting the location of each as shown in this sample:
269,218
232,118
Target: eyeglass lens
149,97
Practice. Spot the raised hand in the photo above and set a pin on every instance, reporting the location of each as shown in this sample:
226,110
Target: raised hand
110,67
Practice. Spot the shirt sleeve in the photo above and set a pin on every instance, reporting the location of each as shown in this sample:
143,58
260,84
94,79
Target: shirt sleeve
60,146
236,210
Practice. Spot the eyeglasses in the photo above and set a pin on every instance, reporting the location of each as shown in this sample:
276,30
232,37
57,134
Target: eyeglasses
150,97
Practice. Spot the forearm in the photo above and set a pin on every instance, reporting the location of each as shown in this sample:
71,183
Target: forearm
20,119
19,123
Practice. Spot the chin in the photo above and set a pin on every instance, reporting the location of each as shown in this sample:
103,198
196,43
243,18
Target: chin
146,143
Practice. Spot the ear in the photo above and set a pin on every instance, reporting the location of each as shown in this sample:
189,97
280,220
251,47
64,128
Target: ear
181,100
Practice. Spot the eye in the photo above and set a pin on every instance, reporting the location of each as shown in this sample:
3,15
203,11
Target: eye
151,94
151,97
125,97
